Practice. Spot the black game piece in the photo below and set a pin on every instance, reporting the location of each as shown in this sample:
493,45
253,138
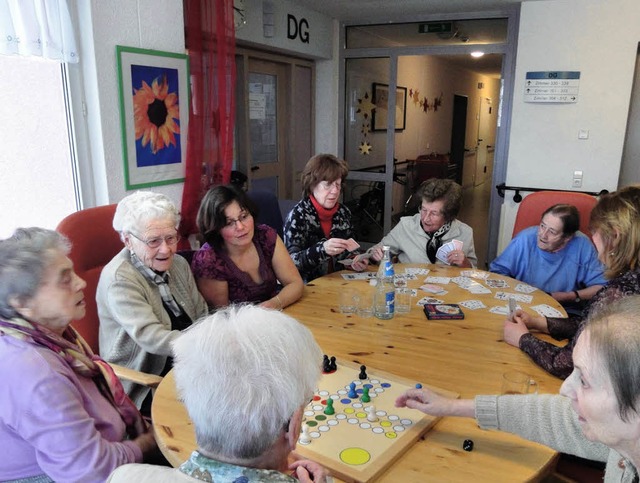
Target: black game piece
467,445
326,364
363,373
332,364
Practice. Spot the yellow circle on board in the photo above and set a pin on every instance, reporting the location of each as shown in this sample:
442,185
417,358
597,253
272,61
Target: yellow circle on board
386,424
355,456
361,415
349,410
391,435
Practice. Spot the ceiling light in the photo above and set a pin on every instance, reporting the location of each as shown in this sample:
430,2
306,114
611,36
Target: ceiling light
477,54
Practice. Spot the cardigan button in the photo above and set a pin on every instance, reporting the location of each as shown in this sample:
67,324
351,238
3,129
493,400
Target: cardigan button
621,464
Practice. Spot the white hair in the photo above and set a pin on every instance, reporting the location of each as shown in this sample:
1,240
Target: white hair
136,210
242,373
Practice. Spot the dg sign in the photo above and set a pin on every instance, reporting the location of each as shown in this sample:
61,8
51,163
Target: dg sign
552,87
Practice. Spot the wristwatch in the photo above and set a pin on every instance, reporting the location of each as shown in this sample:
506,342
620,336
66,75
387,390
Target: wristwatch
577,299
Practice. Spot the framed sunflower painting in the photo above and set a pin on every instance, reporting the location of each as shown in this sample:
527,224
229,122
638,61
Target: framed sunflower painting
154,115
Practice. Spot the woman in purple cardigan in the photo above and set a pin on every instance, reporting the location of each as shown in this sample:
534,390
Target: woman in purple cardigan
63,413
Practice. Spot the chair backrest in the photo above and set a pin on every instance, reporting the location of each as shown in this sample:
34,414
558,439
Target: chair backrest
531,208
268,209
94,243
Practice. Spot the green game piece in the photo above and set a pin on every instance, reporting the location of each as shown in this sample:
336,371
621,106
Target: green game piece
329,409
365,394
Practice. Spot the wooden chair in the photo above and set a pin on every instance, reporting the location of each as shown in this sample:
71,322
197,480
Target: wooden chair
531,208
94,243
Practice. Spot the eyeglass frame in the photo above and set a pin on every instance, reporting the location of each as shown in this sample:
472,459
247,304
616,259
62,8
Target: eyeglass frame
160,239
429,214
232,223
327,186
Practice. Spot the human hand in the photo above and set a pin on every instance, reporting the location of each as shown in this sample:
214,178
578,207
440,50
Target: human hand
457,258
376,253
334,246
309,471
359,266
514,329
532,322
273,303
147,442
426,401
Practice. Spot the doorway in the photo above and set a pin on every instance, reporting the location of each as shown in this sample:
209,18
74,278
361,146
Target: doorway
274,128
458,136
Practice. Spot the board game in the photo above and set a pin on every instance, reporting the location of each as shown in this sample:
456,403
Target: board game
355,443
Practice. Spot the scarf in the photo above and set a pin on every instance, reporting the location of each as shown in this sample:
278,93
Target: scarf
77,353
161,281
435,241
325,215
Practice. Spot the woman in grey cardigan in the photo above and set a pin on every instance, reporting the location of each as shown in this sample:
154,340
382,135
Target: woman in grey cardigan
146,295
596,415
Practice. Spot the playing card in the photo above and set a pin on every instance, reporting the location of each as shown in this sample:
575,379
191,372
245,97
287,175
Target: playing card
472,304
442,280
417,271
442,253
429,300
414,292
523,287
546,310
430,288
519,297
499,309
477,288
512,307
462,282
359,276
457,244
347,262
495,283
475,274
352,245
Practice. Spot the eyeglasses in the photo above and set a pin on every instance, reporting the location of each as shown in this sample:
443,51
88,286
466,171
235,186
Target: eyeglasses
553,233
326,186
231,223
157,241
430,214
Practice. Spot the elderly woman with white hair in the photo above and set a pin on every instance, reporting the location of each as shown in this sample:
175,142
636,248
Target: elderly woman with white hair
146,295
244,374
64,414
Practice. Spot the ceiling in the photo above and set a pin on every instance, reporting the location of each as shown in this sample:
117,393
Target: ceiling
368,11
382,10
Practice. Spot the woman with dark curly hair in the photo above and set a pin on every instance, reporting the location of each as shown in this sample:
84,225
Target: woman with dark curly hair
417,238
241,261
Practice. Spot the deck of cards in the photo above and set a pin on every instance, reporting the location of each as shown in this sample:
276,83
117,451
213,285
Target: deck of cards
447,248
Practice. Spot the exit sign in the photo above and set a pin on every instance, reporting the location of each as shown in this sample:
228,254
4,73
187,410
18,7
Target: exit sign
435,27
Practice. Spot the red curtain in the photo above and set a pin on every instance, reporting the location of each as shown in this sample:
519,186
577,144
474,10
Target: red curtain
210,41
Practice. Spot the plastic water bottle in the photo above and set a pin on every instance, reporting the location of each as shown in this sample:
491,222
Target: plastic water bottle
385,290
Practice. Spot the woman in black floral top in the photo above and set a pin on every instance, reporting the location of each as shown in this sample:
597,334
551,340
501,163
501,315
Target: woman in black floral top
318,229
615,225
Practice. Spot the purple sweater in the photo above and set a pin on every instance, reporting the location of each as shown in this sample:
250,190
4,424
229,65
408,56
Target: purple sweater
53,421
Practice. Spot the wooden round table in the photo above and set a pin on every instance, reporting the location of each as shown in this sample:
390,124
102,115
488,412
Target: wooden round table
464,356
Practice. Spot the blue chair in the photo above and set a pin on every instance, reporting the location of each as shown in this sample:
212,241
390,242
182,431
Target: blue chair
268,209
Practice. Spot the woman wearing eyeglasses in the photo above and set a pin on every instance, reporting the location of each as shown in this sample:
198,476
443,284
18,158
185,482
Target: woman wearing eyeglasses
318,230
241,262
417,238
146,295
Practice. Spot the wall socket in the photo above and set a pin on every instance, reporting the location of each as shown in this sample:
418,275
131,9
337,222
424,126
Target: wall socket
577,179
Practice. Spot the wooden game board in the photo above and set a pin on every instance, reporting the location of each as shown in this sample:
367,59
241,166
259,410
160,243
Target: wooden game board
346,443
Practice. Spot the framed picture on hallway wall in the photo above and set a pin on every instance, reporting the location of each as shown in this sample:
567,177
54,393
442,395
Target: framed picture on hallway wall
154,115
381,112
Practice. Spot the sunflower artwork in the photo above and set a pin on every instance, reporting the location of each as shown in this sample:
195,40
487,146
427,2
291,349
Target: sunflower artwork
156,115
154,111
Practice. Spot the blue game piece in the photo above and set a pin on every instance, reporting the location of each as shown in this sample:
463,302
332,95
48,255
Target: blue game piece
352,391
418,386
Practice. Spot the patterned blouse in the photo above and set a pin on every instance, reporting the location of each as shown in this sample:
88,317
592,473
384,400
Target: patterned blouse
303,237
558,360
216,265
205,469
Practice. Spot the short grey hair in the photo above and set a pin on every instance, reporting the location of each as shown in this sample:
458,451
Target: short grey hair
24,257
136,210
242,373
614,334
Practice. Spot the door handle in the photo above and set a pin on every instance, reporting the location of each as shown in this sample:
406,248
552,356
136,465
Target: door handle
255,168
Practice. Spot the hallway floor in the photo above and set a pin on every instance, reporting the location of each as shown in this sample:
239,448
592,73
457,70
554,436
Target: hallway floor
475,213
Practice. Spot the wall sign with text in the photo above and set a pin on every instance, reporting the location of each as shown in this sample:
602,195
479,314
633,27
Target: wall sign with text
552,87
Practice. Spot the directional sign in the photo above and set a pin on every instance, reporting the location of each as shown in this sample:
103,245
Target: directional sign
561,87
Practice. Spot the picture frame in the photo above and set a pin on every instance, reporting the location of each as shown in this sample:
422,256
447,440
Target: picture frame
380,98
154,115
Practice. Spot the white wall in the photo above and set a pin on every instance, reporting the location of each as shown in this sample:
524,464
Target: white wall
598,38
